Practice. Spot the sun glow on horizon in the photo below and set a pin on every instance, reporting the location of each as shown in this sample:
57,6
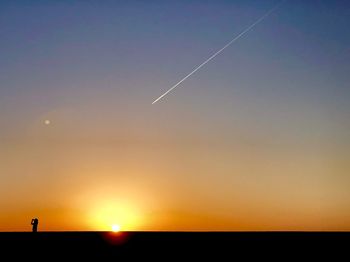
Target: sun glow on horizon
116,228
114,213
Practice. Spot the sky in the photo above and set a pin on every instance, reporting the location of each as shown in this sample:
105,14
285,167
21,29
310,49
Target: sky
257,139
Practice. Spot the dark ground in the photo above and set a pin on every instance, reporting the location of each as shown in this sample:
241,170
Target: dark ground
169,246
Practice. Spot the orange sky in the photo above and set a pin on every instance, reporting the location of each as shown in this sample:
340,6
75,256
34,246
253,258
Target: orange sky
201,188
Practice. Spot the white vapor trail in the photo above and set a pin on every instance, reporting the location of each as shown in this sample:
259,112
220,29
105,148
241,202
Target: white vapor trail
219,51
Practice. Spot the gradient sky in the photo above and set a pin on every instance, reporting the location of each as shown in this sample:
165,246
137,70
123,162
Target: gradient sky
258,139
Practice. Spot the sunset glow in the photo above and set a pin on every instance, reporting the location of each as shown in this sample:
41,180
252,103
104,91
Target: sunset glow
257,139
114,212
115,228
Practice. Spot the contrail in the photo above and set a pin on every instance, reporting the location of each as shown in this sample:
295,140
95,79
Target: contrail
222,49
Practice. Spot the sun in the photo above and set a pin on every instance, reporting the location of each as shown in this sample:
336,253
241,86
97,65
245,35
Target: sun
114,215
115,228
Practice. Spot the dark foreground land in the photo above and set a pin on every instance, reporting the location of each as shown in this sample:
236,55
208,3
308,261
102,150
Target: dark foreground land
169,246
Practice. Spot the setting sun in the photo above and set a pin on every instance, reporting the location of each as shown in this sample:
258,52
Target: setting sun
110,213
115,228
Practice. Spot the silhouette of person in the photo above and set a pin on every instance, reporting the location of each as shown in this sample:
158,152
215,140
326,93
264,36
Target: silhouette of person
35,223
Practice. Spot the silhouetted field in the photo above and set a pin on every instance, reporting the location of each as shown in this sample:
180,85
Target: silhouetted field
174,245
